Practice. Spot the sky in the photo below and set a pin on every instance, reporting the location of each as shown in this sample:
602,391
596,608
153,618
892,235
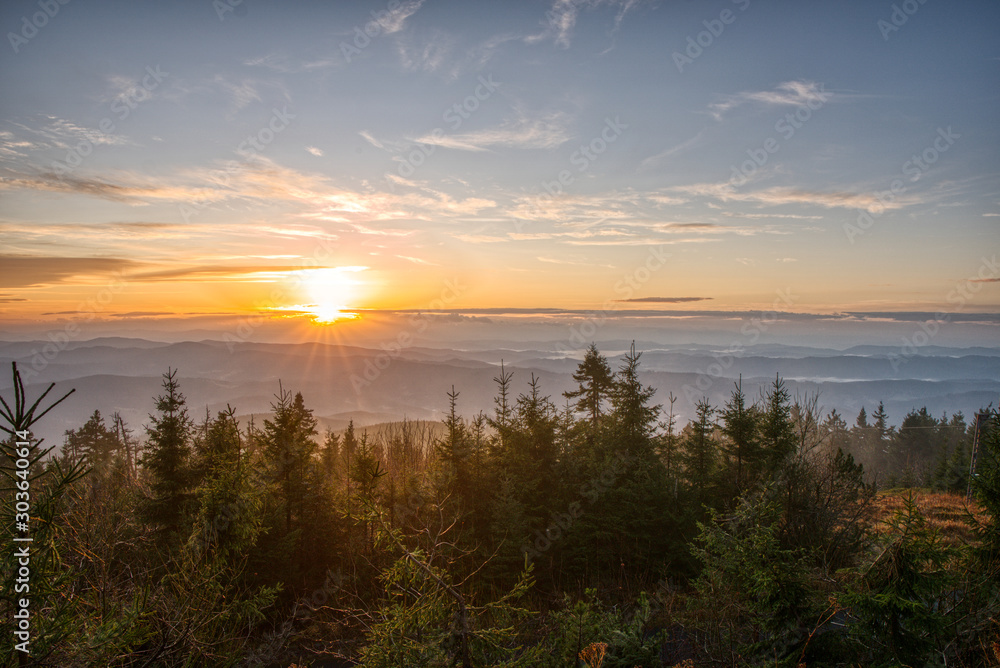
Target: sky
207,164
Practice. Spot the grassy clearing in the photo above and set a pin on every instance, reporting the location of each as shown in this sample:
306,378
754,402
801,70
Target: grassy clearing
947,513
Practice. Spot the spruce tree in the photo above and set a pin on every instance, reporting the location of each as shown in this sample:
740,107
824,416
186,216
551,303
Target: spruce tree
700,451
777,430
167,458
739,424
94,443
634,415
595,382
289,448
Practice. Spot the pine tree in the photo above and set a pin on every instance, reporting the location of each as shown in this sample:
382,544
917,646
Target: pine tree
503,411
669,442
289,448
330,454
94,443
777,432
862,420
835,429
740,425
454,454
52,610
222,444
167,458
633,414
700,451
595,385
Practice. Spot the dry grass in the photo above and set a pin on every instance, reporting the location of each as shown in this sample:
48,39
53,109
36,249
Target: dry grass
946,513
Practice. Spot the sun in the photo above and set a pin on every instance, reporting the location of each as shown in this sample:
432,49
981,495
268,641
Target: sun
331,292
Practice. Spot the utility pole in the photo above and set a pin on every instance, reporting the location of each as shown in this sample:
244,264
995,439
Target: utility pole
982,420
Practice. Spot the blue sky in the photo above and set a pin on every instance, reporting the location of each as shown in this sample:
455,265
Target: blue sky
763,158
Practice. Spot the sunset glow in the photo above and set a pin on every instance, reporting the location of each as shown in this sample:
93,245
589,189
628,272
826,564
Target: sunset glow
332,292
579,156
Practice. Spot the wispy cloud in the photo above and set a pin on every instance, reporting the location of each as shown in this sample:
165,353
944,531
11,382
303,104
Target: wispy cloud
371,140
21,271
789,93
394,20
52,132
226,273
786,195
662,300
561,19
315,151
425,53
547,131
278,61
654,160
417,260
242,93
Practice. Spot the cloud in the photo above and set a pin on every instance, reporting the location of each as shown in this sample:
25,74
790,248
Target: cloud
548,131
394,20
663,300
54,134
561,19
371,140
128,189
417,260
140,314
277,61
27,271
923,316
315,151
778,195
986,280
654,160
789,93
425,53
242,93
214,272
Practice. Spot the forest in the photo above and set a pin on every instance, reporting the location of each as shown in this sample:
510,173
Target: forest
590,529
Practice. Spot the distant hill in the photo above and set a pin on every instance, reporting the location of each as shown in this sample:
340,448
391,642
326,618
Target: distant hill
340,383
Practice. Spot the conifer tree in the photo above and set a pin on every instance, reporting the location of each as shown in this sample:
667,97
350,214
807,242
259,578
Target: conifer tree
634,415
93,442
595,385
167,458
700,453
330,454
777,432
289,448
454,454
740,425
